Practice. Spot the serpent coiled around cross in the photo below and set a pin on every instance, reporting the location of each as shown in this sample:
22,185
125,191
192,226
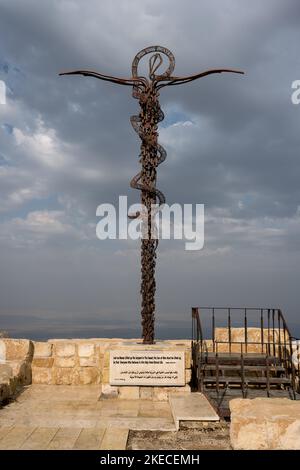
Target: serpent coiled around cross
146,91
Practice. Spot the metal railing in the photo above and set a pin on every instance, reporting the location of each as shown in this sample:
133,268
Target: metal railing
219,329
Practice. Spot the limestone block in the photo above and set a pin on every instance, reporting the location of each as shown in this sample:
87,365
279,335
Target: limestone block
41,375
106,359
188,359
65,349
109,391
42,361
101,361
208,345
2,351
105,375
63,375
162,393
25,374
18,349
265,423
188,375
86,350
21,370
4,392
64,362
42,349
6,373
87,361
88,375
129,393
146,393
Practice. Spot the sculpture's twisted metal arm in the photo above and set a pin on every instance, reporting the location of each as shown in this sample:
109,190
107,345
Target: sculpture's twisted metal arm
190,78
109,78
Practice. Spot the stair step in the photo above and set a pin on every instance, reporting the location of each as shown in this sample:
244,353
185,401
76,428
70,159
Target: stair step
252,380
235,359
213,367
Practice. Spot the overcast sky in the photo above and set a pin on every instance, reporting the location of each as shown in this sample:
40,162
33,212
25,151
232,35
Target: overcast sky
66,146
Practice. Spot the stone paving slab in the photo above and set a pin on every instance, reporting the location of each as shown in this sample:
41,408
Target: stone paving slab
15,437
64,439
39,439
191,407
114,439
89,439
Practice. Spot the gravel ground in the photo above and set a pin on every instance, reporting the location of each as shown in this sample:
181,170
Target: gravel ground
191,436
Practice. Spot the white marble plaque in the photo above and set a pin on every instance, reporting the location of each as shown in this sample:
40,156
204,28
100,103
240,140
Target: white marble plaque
153,368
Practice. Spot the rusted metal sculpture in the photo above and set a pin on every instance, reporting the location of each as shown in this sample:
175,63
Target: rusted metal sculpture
146,90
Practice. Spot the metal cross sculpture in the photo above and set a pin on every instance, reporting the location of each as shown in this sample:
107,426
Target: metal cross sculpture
146,90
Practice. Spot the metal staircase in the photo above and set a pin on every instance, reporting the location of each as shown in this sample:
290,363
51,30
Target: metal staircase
243,353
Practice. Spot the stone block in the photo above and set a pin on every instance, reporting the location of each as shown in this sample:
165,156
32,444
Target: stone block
6,373
87,361
105,375
42,349
42,361
188,359
188,375
109,391
64,362
63,375
21,370
4,392
86,350
162,393
106,359
18,349
41,375
65,349
129,393
146,393
88,375
2,351
265,424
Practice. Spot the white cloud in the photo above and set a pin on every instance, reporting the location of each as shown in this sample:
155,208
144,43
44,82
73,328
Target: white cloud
43,146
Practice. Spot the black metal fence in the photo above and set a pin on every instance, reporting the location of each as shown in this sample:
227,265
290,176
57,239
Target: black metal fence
245,332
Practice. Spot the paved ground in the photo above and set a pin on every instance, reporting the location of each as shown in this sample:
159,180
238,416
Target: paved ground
73,417
67,417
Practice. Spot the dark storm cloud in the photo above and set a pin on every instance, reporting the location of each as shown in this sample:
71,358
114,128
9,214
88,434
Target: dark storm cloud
67,146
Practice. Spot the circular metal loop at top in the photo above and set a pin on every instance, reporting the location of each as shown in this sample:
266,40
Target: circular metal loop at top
149,50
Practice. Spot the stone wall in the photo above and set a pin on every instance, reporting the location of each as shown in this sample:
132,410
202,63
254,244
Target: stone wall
254,337
67,362
84,362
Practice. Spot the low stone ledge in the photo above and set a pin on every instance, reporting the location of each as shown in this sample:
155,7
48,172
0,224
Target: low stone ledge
265,424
